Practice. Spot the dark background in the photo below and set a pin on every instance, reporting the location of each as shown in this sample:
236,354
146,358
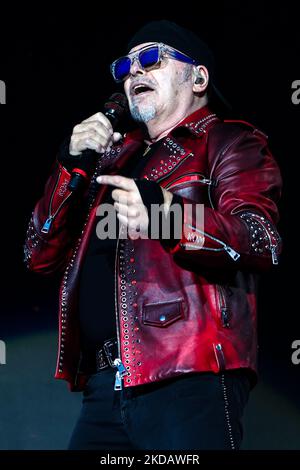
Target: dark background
56,68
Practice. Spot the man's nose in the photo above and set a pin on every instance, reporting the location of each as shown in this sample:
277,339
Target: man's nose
135,68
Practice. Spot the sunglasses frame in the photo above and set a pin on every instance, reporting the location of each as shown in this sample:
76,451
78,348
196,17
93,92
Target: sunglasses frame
163,50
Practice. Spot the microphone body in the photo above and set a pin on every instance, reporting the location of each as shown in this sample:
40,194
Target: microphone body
114,109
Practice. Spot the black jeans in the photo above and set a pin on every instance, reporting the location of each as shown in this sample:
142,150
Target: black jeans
191,412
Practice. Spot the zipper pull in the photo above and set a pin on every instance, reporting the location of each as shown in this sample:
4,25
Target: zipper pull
232,253
118,382
225,319
47,224
274,254
121,372
206,181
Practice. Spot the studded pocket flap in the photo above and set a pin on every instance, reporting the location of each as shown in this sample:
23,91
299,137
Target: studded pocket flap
163,314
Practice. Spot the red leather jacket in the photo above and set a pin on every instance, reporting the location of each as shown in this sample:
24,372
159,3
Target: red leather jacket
186,309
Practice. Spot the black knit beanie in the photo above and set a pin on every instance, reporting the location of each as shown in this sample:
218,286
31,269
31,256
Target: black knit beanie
178,37
184,41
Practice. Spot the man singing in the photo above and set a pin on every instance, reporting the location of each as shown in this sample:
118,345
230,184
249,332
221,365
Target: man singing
159,332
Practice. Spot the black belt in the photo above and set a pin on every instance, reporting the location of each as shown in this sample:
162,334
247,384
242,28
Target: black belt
107,354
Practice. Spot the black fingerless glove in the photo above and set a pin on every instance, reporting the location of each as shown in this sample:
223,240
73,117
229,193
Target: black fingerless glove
65,158
151,193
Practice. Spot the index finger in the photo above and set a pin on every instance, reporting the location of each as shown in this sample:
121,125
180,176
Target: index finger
118,181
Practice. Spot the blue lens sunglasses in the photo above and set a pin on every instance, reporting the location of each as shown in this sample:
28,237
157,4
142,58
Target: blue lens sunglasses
148,57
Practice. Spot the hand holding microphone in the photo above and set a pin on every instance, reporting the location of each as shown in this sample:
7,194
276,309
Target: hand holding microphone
94,136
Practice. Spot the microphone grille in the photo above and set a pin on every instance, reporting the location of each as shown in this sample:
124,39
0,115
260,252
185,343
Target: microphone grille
117,99
116,107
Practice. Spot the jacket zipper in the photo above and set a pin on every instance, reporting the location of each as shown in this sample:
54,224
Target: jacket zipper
174,169
272,247
47,225
222,306
232,253
203,181
121,372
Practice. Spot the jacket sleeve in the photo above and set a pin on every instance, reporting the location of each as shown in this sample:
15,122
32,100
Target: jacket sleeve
51,229
239,229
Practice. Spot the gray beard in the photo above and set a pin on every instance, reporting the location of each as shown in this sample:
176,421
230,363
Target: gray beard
145,114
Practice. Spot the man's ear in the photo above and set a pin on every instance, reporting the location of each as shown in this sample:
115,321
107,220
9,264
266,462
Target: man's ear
201,79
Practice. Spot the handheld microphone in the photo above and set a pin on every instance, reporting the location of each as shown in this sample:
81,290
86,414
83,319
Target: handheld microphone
114,109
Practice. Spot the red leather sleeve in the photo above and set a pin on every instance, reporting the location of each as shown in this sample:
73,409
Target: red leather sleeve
240,226
49,237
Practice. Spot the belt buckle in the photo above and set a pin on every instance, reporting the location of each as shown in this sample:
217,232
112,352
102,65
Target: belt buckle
110,349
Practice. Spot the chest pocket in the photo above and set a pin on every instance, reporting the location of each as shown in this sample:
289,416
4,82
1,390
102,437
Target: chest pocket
163,314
